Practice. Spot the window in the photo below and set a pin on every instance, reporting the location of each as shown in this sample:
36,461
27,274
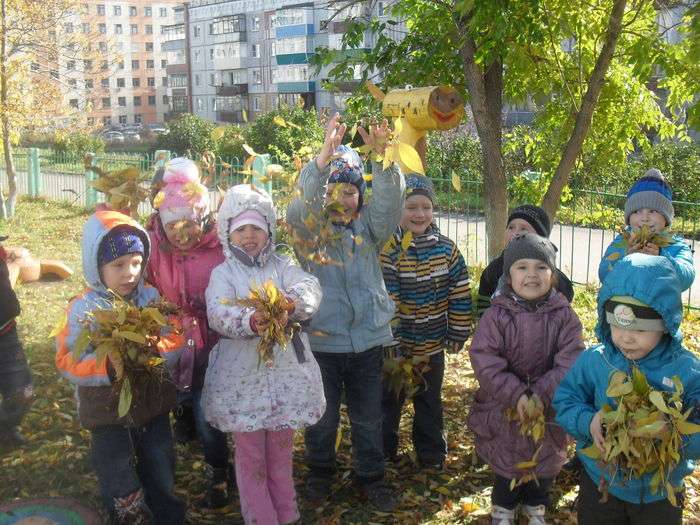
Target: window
104,66
273,49
136,82
200,104
151,82
151,100
197,31
256,23
85,28
102,46
89,84
132,10
85,9
70,65
102,28
106,103
91,121
163,63
106,121
104,82
149,46
227,24
134,28
121,64
165,81
211,54
195,58
197,80
178,81
72,82
150,64
256,103
255,50
73,103
117,9
35,66
149,29
138,118
135,64
257,76
147,11
137,101
380,9
100,9
212,79
121,102
163,12
118,29
54,73
165,99
120,83
122,119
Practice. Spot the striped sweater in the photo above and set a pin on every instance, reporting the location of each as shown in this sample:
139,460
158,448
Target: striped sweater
429,283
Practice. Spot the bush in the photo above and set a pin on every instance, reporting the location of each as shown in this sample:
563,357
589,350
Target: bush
231,144
77,143
188,134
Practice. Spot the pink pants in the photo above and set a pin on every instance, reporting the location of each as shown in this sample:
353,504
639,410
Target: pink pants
264,476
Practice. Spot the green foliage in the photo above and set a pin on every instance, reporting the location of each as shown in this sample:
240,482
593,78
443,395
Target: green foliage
454,150
231,144
77,143
187,134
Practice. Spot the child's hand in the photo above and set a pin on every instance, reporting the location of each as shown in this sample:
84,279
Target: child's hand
453,347
334,136
259,322
521,407
650,249
596,429
377,137
290,305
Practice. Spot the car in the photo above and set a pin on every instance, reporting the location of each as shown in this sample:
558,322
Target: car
159,130
114,136
132,135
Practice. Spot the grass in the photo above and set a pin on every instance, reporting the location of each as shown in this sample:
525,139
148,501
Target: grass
56,460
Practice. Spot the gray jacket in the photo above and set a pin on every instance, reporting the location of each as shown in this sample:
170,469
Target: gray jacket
356,309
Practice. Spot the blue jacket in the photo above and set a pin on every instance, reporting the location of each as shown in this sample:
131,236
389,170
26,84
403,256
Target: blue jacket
680,255
654,281
356,310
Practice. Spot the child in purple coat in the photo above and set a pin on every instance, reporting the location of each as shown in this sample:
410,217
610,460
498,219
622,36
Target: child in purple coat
525,343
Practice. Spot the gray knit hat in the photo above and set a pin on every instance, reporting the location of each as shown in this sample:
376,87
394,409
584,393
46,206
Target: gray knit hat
653,192
529,246
417,184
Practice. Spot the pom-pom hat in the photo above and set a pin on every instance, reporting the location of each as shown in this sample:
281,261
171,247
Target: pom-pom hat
653,192
183,196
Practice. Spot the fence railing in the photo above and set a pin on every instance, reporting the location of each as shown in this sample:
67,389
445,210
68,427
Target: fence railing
589,219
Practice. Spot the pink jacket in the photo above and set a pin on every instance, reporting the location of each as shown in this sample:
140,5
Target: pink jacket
518,349
182,278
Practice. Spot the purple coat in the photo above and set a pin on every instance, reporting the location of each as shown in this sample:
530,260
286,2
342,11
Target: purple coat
517,348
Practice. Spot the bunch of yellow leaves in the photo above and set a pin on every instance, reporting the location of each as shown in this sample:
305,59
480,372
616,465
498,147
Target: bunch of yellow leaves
532,426
395,151
275,308
128,335
643,434
123,189
645,235
404,374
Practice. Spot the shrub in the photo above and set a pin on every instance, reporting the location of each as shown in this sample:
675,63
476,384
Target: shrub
77,143
188,134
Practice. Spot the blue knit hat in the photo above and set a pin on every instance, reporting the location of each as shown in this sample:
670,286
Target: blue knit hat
653,192
347,167
417,184
119,242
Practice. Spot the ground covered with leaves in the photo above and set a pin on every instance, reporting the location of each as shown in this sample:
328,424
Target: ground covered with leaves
56,460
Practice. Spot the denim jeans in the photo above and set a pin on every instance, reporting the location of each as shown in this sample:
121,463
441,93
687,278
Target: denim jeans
529,493
213,440
127,459
15,381
428,438
360,376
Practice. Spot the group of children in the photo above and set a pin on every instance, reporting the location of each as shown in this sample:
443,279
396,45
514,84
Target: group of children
396,287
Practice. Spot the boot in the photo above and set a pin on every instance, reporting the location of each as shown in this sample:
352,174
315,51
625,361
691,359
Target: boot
502,516
217,496
535,515
132,510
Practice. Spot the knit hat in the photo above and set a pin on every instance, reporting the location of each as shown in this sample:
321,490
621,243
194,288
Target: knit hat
534,216
118,242
632,314
253,217
419,185
528,246
183,196
347,167
653,192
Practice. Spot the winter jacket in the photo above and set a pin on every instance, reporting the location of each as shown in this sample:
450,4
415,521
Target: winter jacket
97,402
679,253
519,348
182,278
240,393
654,281
356,309
492,274
9,306
429,284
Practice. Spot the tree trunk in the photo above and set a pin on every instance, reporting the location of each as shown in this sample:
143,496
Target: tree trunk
585,114
8,205
485,98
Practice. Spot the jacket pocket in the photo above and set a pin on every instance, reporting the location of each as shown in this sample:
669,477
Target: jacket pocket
379,311
485,419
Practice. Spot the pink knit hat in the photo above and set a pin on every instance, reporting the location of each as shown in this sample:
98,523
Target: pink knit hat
183,196
253,217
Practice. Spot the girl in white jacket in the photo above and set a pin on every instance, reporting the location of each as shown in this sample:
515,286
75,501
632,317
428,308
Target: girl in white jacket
261,404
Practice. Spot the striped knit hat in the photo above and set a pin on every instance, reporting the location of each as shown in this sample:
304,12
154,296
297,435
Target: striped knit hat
653,192
419,185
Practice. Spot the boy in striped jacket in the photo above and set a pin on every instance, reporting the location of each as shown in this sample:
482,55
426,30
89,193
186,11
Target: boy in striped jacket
427,278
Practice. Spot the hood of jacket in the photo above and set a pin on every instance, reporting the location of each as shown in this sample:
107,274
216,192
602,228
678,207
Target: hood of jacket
97,226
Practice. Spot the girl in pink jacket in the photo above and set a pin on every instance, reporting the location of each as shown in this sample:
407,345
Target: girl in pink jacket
525,343
185,250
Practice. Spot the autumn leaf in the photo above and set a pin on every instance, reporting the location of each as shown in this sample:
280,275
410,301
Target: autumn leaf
217,133
409,157
456,182
279,121
377,93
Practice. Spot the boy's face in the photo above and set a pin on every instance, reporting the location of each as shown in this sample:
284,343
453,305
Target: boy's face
649,218
249,238
635,344
417,214
530,278
518,227
345,194
183,234
123,273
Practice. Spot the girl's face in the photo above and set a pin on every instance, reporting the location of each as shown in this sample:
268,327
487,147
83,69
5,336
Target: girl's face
518,227
249,238
347,198
530,278
417,214
122,274
183,234
649,218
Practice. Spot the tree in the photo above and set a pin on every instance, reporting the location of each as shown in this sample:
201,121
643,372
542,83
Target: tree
188,134
36,39
584,65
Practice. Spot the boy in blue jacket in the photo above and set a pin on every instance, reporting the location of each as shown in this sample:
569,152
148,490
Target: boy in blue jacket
649,203
639,314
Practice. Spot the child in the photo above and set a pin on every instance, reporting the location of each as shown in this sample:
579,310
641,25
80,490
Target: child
353,321
260,403
524,344
523,219
649,203
429,283
185,250
639,315
133,456
15,379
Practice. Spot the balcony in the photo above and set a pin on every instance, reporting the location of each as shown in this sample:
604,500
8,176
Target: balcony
176,69
172,115
286,59
296,87
173,45
230,116
231,90
295,30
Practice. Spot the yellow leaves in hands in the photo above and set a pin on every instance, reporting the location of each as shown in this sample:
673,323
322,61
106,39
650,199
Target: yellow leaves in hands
686,427
456,182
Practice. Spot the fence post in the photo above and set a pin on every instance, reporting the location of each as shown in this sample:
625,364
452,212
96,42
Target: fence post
160,157
90,175
260,178
35,171
31,190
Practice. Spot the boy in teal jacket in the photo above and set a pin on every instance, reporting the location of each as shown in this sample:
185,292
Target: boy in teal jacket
639,314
